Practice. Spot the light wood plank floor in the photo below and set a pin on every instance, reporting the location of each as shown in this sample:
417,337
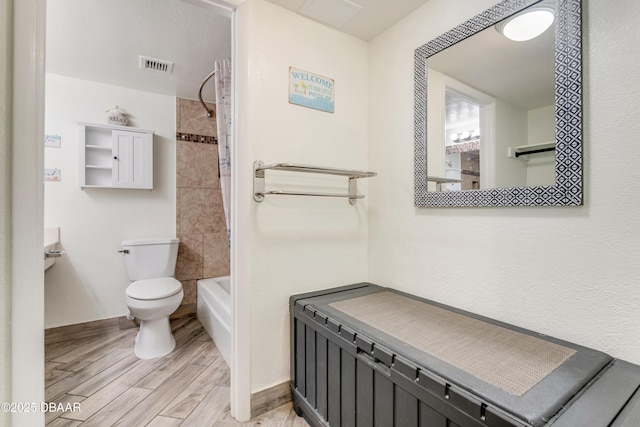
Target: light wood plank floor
188,387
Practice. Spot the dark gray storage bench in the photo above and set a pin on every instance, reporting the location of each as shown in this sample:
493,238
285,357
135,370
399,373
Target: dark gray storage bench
363,355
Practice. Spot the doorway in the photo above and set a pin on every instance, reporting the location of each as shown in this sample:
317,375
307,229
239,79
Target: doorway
462,142
469,137
29,117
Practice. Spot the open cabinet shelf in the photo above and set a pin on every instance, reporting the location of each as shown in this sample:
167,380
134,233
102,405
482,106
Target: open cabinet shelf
115,157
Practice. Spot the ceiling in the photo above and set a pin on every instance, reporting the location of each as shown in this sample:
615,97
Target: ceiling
520,73
364,19
101,41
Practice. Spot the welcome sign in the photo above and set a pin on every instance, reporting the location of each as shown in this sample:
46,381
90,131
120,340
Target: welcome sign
311,90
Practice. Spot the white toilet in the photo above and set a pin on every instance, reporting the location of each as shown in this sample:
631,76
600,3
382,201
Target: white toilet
154,293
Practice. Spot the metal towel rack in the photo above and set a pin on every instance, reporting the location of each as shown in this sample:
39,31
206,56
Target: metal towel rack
260,168
441,181
523,150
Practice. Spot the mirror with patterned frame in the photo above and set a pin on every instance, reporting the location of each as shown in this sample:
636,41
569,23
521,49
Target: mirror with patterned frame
436,188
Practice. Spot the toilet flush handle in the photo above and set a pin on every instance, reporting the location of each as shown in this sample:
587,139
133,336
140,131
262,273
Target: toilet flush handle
51,253
124,251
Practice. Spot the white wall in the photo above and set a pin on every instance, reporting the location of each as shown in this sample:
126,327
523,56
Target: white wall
5,206
541,167
511,131
295,244
567,272
89,282
436,100
541,125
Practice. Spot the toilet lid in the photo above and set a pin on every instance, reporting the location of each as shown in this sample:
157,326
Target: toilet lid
149,289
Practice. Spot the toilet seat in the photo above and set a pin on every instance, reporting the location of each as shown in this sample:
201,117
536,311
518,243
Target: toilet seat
153,289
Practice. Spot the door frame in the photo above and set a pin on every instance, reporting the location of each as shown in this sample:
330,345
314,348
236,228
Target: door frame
27,227
487,106
27,210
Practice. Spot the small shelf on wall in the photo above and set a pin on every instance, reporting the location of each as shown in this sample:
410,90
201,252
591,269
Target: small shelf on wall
98,167
524,150
115,156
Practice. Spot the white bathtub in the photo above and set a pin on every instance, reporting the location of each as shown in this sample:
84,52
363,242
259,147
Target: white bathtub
214,312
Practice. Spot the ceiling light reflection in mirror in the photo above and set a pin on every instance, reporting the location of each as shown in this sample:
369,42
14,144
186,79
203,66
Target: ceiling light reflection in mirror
528,24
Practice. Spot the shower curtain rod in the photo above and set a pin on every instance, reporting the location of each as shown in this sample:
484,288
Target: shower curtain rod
211,74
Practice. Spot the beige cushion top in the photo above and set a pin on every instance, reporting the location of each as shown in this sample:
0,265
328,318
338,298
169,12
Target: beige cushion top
507,359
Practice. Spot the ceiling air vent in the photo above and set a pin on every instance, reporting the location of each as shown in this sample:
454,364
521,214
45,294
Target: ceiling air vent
147,63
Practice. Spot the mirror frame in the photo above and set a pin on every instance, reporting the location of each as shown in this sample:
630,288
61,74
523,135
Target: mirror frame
567,190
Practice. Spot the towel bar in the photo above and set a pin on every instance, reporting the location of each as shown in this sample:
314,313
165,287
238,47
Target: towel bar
260,168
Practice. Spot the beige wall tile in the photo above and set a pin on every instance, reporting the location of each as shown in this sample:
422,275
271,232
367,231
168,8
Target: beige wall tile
200,210
190,257
189,287
178,231
192,118
216,254
219,223
197,165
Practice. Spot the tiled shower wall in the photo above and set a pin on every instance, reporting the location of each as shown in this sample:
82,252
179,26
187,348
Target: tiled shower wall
201,227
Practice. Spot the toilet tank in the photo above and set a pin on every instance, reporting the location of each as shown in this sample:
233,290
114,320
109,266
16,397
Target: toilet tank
150,258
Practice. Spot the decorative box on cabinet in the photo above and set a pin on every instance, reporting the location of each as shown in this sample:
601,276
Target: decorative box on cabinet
115,157
354,363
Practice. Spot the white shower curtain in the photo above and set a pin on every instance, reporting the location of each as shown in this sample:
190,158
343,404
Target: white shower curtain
223,121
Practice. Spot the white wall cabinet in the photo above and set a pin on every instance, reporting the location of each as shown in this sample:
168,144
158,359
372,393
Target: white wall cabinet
115,157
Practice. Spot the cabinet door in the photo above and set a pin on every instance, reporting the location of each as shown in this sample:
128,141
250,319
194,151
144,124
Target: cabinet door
132,160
